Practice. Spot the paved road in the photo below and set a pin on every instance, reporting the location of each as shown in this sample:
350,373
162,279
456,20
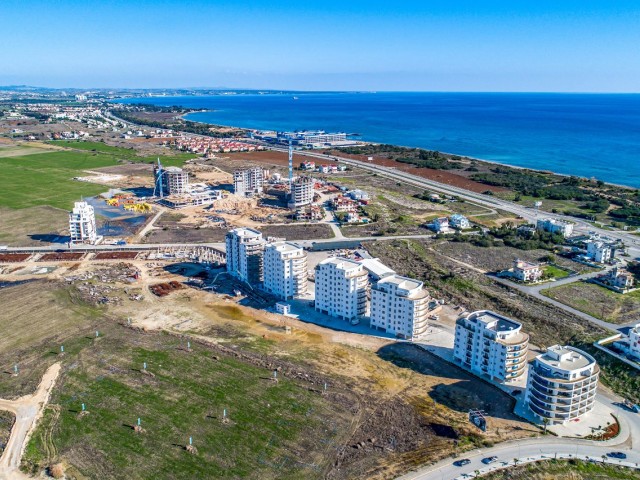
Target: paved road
27,411
548,446
536,291
633,242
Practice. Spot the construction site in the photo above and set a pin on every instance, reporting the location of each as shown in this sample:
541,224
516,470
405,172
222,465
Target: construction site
138,324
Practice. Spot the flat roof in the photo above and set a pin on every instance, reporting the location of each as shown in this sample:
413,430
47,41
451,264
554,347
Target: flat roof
342,263
402,282
376,268
284,246
565,357
494,321
247,232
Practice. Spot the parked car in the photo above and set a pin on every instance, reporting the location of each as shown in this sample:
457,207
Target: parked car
617,455
489,460
462,463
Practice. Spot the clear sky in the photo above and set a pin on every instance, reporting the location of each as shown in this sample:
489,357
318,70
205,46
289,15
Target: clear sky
439,45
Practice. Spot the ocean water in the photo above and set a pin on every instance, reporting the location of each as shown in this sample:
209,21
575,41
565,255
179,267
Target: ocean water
590,135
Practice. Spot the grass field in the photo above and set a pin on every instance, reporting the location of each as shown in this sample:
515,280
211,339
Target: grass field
47,178
276,430
281,429
598,301
564,470
177,159
22,227
551,271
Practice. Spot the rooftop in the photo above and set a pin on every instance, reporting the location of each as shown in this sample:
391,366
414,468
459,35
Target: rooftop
284,246
246,232
341,263
405,283
565,358
376,268
494,322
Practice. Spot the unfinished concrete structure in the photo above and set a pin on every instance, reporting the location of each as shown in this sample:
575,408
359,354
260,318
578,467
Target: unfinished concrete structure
301,192
82,224
248,182
245,250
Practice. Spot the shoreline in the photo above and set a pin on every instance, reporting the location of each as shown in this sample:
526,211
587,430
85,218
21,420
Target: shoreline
482,160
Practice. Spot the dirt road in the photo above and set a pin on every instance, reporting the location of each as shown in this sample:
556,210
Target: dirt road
28,410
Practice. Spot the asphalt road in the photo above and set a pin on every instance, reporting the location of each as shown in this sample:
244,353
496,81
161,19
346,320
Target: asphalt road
547,446
530,214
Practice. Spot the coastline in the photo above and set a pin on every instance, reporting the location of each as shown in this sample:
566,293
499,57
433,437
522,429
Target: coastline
482,160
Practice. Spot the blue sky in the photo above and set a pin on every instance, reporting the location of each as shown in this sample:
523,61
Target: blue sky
453,45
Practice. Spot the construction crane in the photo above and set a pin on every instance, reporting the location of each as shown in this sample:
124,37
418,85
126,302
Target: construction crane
290,165
157,185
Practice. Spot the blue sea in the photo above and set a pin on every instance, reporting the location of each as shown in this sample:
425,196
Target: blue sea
590,135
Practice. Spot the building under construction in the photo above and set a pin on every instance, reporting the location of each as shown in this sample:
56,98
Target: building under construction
170,181
301,192
249,182
245,250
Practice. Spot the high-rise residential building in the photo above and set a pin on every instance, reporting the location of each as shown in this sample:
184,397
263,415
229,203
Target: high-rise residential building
399,305
170,180
552,225
245,250
285,270
176,181
301,192
490,344
82,224
341,286
248,182
562,384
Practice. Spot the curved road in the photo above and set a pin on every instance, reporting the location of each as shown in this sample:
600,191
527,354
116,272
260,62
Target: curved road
27,411
548,446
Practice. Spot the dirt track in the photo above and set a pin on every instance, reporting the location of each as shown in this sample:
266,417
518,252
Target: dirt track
28,410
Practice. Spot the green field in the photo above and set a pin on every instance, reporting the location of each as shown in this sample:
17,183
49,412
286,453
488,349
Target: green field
284,430
551,271
47,178
176,159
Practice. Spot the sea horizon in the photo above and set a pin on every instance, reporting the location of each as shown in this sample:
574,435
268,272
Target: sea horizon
591,135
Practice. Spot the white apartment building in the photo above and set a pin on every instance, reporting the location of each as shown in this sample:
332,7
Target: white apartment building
490,344
600,252
526,271
301,192
245,250
399,305
341,288
82,224
552,225
562,384
248,182
285,270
